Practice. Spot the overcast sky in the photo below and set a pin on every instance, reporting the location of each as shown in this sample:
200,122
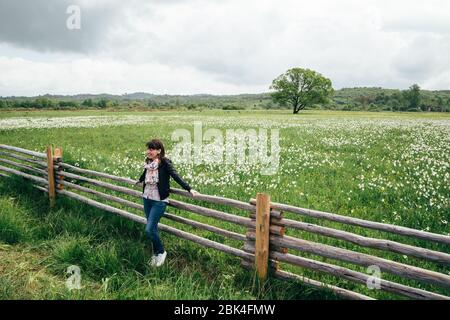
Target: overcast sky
219,46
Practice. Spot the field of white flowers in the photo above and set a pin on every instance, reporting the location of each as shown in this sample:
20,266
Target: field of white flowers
387,167
401,162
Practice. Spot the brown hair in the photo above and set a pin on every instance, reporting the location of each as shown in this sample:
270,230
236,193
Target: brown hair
156,144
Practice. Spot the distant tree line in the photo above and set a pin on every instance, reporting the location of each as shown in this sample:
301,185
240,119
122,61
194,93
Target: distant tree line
373,99
368,99
141,104
46,103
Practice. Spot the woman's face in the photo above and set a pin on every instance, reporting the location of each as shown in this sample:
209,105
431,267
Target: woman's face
153,153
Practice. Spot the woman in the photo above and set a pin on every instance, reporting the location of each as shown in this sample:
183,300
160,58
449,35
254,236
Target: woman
155,192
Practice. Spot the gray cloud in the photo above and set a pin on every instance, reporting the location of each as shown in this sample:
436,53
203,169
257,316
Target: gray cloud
425,56
41,25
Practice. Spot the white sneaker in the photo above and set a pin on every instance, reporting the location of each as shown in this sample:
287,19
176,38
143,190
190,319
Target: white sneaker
153,261
160,258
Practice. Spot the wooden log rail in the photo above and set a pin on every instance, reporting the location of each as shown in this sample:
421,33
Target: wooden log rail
355,276
370,242
361,223
176,204
25,175
222,216
219,231
133,217
25,167
362,259
382,244
181,234
265,244
24,151
41,164
344,293
280,274
208,198
246,259
345,273
279,245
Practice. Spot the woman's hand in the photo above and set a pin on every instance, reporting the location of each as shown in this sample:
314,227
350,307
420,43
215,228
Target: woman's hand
138,183
194,193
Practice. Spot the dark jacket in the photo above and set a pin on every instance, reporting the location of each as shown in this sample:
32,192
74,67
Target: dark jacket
165,171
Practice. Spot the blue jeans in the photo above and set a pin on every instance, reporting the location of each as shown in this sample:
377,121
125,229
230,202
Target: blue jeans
154,210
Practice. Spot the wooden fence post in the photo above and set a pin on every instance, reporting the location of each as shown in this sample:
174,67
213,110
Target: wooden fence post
51,177
262,234
58,158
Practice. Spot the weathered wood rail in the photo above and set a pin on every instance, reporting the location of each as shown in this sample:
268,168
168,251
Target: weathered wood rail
265,244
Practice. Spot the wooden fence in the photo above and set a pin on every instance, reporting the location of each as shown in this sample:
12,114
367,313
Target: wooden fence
265,244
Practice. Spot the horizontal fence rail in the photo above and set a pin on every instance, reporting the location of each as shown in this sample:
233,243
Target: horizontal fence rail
208,198
362,259
381,244
264,243
25,159
362,223
41,155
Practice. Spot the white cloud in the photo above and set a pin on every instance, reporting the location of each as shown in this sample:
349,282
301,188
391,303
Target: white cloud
232,46
85,75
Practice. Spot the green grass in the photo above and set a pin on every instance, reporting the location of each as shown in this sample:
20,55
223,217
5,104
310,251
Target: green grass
387,167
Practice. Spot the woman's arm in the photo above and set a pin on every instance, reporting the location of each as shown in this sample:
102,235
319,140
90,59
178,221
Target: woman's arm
141,179
174,174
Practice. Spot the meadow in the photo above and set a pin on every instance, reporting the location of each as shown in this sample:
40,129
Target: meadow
387,167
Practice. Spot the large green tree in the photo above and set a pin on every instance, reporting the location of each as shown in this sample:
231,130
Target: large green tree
301,88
